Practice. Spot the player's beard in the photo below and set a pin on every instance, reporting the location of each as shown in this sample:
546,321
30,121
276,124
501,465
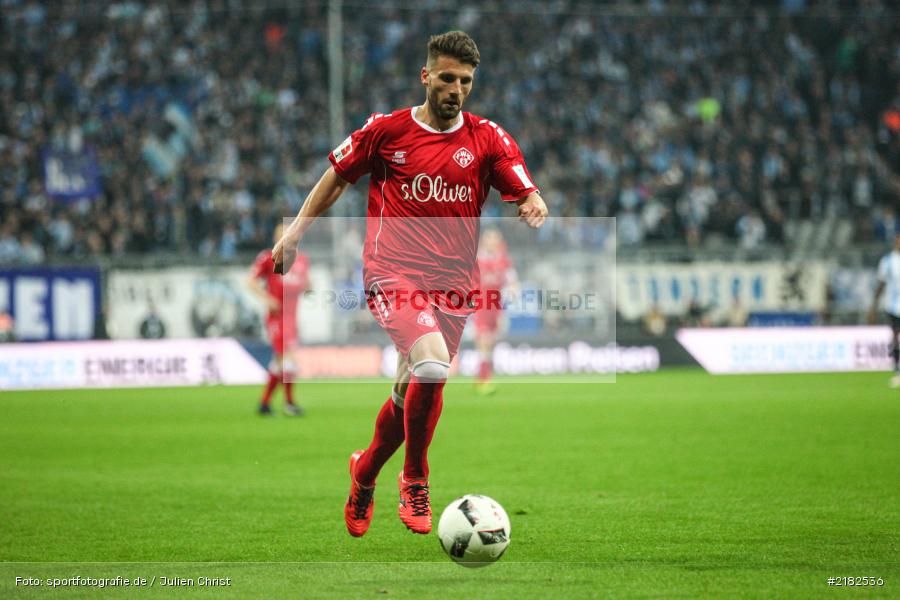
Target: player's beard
447,112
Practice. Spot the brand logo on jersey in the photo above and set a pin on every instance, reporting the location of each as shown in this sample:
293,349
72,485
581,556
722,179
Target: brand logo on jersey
426,319
424,187
399,157
342,151
379,301
463,157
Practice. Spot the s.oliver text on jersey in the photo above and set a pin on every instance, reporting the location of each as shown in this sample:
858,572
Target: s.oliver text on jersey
425,188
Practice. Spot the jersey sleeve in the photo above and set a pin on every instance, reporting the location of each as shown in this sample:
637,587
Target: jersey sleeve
354,157
508,172
263,265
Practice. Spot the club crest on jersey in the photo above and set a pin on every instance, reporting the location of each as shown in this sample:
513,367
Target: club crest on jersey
463,157
344,150
426,319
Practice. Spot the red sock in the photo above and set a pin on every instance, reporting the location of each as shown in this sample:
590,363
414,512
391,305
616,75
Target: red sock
389,435
288,391
484,370
270,387
422,410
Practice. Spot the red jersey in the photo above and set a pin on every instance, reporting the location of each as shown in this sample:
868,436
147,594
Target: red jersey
287,288
426,192
494,269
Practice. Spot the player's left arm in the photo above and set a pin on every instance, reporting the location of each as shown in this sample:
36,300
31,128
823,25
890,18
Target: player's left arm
320,198
532,209
510,175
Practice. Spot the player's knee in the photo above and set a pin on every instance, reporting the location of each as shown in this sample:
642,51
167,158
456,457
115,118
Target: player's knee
431,370
398,397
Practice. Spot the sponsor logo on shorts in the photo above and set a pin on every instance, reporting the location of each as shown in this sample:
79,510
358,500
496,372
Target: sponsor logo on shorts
426,319
382,305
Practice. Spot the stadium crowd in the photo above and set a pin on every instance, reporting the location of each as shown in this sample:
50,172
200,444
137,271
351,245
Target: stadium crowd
202,123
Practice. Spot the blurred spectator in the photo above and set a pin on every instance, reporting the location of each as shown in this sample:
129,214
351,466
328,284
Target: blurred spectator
100,331
207,120
228,242
30,252
655,321
630,228
9,243
737,315
152,327
7,329
751,231
887,226
697,315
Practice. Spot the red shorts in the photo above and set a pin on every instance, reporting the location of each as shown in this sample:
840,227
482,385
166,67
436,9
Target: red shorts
282,333
487,320
406,314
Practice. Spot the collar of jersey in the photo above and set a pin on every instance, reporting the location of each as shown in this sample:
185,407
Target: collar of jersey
459,123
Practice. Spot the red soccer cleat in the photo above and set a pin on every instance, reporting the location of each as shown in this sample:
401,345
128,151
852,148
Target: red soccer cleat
360,503
415,508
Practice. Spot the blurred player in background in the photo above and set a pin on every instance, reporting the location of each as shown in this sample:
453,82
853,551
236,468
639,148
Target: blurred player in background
7,328
889,280
431,168
497,272
281,294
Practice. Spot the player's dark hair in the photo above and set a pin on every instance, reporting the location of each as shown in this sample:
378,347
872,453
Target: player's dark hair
455,44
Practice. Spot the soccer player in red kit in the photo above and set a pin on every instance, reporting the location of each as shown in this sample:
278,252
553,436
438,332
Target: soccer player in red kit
497,272
280,293
431,168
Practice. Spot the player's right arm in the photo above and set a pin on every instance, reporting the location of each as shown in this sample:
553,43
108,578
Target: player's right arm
349,161
510,176
323,195
532,210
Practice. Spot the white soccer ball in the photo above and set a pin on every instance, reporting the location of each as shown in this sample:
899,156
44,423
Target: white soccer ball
474,530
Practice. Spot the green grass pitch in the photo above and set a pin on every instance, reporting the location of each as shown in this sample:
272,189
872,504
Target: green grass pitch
675,484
